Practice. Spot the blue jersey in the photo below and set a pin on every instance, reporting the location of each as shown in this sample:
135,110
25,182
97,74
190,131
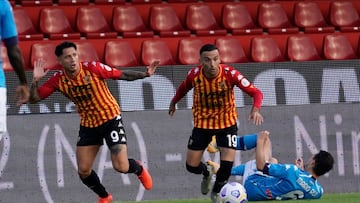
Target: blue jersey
284,181
8,32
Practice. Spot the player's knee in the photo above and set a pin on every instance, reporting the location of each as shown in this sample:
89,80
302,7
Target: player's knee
192,169
263,134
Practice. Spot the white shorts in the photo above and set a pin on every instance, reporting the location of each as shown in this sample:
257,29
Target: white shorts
3,109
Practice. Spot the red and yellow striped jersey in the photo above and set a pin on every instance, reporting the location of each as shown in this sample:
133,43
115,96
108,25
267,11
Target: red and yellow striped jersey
213,99
88,90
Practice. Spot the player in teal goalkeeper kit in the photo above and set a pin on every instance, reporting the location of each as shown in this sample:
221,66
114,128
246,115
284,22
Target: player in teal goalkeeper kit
266,179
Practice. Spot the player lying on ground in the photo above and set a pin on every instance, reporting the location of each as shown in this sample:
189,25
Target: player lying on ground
265,179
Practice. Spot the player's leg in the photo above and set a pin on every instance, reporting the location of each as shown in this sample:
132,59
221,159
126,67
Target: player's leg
197,143
226,141
3,122
86,151
244,142
115,137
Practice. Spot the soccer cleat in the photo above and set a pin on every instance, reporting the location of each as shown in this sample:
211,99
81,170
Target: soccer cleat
214,166
206,181
145,177
212,147
107,199
215,197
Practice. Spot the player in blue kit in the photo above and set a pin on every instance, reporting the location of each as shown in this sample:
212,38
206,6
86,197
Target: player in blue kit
9,38
265,179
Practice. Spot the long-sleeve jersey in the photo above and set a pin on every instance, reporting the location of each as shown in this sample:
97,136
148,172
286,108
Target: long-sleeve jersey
88,90
213,99
282,182
8,33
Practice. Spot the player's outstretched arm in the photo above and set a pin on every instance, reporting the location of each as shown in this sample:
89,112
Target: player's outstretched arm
131,75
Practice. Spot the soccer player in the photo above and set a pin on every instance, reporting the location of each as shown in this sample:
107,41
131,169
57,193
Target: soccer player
9,36
265,179
214,113
100,117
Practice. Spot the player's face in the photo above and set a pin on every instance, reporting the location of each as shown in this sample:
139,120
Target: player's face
210,61
69,60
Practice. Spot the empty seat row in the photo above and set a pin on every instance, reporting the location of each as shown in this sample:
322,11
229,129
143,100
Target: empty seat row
165,20
185,50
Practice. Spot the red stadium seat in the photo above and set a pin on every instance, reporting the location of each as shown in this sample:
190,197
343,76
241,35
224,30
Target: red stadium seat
144,1
308,17
237,19
344,16
201,21
165,22
189,50
44,51
27,3
128,22
273,18
265,49
73,2
155,49
231,51
116,57
55,25
91,23
301,48
113,2
338,47
25,27
87,52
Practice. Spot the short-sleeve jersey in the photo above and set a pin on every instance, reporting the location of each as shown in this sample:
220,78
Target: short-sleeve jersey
284,182
8,33
213,99
88,90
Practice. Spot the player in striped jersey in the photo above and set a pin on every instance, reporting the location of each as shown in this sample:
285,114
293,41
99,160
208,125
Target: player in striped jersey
265,179
84,83
214,113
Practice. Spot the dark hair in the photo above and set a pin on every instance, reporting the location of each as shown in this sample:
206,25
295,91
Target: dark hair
208,47
59,48
323,163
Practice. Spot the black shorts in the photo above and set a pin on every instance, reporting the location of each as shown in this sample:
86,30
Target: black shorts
200,138
112,131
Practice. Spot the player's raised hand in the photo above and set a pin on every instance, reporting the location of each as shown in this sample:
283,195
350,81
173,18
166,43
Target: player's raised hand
39,69
256,116
152,67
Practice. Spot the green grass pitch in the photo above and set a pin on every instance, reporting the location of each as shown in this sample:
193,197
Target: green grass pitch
327,198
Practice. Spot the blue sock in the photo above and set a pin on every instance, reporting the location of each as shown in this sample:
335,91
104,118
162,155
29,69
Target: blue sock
246,142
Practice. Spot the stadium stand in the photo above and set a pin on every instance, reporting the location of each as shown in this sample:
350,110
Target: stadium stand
25,27
237,19
301,48
44,50
188,50
55,25
116,57
156,49
128,22
132,23
231,50
265,49
87,51
344,16
201,21
165,22
91,23
309,18
338,47
273,18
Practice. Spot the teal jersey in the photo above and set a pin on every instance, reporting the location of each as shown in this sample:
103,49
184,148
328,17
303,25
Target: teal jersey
283,182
